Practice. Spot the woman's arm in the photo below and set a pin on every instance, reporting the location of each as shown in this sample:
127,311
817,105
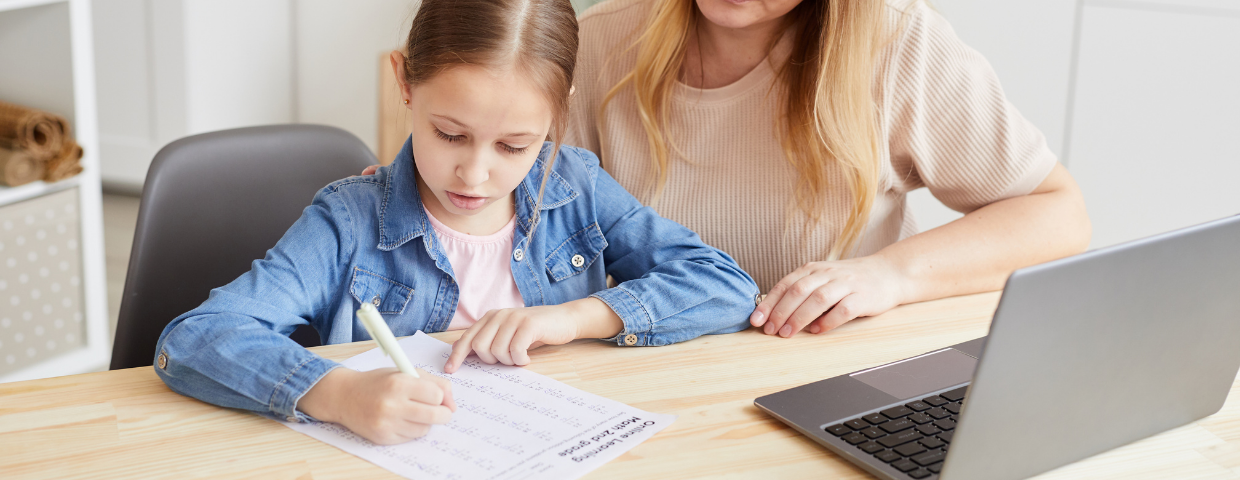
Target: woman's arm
973,254
951,129
977,252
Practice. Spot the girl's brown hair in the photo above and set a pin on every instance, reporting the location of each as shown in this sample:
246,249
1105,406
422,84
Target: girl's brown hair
829,112
536,37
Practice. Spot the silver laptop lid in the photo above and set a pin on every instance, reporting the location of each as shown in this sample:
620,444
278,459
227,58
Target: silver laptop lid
1101,349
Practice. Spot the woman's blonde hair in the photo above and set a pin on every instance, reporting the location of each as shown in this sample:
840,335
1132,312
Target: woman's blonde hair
537,37
829,110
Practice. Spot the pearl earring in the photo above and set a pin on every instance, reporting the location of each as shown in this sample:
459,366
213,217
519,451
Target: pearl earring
406,102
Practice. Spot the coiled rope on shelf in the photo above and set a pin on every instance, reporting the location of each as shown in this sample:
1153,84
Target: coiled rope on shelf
40,134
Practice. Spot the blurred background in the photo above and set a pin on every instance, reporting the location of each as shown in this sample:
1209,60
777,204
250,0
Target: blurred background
1138,98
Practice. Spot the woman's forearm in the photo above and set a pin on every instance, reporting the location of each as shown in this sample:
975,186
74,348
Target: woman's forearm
976,253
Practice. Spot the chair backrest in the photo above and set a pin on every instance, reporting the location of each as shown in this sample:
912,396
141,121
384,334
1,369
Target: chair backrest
211,205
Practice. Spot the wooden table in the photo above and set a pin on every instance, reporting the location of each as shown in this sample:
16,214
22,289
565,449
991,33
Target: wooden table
127,424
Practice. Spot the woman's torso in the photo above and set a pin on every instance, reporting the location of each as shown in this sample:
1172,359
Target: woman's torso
733,185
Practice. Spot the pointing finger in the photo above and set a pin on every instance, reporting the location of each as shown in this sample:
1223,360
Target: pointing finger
460,349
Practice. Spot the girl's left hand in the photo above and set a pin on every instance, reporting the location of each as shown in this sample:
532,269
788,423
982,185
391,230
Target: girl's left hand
506,336
825,295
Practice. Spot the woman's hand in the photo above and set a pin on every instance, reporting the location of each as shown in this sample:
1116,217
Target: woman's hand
506,336
384,405
370,170
825,295
975,253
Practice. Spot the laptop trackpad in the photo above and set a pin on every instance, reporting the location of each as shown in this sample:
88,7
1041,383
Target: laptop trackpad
920,375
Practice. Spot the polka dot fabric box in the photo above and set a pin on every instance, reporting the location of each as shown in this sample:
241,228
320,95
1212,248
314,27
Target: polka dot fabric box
41,313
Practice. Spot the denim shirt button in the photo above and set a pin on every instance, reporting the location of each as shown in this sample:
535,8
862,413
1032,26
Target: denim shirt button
630,339
375,301
162,360
292,419
578,261
518,255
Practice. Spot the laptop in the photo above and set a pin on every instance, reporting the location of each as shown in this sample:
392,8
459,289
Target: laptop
1084,354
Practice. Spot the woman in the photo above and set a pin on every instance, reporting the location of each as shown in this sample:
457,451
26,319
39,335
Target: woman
788,133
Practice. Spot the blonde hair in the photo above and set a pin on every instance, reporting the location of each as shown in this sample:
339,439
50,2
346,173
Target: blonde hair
829,110
538,37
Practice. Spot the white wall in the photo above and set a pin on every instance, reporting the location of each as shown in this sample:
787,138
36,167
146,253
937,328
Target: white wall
1155,118
122,78
1138,97
338,55
238,63
171,68
141,83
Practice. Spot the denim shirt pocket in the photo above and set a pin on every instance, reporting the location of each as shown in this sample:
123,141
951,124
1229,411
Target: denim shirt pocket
576,254
387,295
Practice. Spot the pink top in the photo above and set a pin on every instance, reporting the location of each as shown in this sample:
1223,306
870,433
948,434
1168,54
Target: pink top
482,269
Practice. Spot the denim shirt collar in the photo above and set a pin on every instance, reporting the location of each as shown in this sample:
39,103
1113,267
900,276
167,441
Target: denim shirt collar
402,218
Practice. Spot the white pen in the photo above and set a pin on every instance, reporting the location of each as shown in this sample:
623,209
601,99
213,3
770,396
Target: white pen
378,330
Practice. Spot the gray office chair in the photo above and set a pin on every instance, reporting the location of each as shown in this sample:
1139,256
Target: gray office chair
212,204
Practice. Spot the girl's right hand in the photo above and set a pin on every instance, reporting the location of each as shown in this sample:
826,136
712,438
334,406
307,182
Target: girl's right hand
370,170
384,405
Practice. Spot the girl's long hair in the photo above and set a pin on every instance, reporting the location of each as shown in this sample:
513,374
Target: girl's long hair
829,112
536,37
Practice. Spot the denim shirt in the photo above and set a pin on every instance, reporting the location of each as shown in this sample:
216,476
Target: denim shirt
367,239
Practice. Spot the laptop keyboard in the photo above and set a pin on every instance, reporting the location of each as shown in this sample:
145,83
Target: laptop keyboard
913,437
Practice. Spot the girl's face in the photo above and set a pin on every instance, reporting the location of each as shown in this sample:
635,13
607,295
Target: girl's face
476,134
741,14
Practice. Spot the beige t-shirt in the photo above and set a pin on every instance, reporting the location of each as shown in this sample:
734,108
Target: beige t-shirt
946,123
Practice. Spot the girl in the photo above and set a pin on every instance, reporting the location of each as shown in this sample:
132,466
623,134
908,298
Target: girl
478,224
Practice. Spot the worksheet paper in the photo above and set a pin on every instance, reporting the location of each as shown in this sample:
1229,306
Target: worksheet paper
510,423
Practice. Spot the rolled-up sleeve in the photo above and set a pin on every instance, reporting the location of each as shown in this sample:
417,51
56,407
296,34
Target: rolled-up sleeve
234,350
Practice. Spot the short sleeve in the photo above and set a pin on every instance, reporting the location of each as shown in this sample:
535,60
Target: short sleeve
949,126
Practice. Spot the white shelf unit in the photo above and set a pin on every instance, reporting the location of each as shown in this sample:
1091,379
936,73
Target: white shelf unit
47,62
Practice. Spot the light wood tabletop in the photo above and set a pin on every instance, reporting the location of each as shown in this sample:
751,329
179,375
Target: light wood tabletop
127,424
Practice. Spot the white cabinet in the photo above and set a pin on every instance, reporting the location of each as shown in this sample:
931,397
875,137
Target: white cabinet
1156,118
53,317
